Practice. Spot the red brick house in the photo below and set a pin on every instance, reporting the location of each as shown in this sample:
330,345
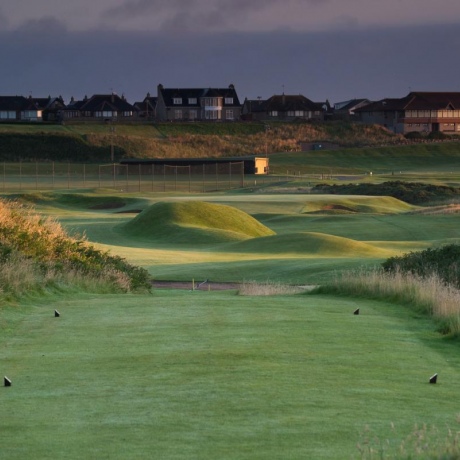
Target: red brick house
419,111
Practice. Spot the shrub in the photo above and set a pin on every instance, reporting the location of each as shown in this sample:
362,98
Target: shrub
437,135
443,262
413,135
37,252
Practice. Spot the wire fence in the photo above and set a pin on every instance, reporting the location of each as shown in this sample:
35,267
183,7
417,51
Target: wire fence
125,178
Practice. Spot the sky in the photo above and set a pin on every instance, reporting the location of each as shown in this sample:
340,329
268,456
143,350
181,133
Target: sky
324,49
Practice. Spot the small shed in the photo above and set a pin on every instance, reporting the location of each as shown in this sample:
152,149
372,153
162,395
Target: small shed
261,165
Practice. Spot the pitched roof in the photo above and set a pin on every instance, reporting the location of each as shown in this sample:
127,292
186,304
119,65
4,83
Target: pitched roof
284,103
187,94
255,105
345,106
112,102
433,100
417,100
15,103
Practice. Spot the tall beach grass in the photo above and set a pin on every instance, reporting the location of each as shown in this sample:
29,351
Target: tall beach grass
425,294
36,255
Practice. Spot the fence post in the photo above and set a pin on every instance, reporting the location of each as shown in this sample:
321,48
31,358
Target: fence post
139,177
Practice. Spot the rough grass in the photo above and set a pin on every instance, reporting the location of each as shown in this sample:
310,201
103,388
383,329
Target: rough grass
194,222
83,141
36,253
428,294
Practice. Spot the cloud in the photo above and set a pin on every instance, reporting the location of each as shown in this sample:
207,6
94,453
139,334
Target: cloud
194,15
45,26
334,65
3,21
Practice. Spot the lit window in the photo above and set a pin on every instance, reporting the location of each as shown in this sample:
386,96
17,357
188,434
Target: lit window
178,114
192,100
229,100
177,100
229,114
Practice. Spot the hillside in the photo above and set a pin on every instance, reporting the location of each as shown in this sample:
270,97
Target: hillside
92,142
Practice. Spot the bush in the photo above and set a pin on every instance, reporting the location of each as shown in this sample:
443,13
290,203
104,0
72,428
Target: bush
443,262
413,135
437,135
410,192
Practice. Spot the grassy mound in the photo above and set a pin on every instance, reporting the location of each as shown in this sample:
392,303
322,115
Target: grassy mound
195,222
363,204
90,201
318,244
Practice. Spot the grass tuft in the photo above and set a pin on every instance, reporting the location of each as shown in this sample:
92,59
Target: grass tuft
254,288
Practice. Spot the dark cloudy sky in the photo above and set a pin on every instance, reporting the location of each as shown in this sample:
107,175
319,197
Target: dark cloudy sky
324,49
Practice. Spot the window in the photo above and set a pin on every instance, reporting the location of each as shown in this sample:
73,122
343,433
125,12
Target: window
273,113
177,100
192,100
127,114
210,101
229,100
7,114
105,114
178,114
291,113
212,114
193,114
229,114
299,113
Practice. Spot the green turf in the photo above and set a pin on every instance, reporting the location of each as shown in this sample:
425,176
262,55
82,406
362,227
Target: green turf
194,222
206,375
391,160
191,248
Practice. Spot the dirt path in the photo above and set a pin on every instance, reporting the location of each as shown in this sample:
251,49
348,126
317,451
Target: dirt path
211,285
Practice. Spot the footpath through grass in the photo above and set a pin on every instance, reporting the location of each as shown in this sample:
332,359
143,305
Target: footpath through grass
206,375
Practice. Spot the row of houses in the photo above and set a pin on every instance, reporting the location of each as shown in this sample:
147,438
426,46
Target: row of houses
418,111
170,104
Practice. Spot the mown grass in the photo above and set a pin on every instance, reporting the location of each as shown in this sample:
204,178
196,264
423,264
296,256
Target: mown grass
214,375
396,160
